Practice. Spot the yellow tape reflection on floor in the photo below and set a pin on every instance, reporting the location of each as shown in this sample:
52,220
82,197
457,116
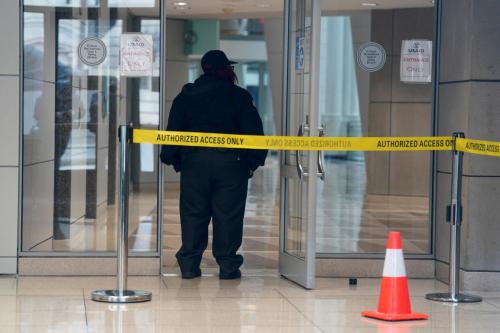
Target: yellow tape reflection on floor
195,139
480,147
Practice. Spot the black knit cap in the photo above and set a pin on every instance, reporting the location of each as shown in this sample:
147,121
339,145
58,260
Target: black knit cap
215,59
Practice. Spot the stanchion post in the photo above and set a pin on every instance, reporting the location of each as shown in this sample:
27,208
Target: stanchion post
454,211
121,294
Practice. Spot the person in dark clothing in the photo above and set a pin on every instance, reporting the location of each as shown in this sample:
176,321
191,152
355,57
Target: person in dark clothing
214,181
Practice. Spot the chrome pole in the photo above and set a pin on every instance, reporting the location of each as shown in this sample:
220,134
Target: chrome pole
455,213
122,239
456,220
121,294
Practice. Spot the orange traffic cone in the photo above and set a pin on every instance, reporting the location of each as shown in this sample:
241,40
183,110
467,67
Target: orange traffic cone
394,299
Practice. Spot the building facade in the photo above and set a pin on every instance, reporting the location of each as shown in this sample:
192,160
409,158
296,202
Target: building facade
58,164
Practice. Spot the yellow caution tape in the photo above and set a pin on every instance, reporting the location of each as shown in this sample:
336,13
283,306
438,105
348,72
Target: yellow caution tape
215,140
481,147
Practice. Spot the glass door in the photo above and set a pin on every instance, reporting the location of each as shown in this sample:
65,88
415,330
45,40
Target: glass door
365,91
299,169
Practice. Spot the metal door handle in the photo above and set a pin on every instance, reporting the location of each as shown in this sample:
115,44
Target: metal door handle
303,128
321,156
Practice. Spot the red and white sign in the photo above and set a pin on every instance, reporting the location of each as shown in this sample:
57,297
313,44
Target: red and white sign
136,55
416,61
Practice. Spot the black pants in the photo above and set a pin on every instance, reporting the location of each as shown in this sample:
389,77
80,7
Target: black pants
213,187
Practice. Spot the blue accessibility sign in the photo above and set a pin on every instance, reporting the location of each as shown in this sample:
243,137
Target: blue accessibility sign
299,53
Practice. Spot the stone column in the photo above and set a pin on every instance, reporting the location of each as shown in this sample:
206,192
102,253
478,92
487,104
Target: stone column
9,134
469,101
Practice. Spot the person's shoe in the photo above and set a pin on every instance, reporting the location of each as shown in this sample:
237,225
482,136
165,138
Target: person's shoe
230,276
191,275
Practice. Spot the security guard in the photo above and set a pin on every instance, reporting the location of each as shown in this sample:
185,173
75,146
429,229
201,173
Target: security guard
214,181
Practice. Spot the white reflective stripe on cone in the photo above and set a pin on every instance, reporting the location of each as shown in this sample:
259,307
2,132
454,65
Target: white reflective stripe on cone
394,265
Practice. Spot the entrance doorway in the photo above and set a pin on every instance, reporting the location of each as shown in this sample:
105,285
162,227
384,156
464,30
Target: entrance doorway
245,40
306,209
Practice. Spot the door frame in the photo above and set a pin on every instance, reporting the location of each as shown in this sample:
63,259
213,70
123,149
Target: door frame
301,270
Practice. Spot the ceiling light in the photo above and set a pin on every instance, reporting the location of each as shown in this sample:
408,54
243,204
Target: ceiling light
369,4
263,5
181,5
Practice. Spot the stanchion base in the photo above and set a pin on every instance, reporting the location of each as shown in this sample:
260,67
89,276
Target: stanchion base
460,298
125,296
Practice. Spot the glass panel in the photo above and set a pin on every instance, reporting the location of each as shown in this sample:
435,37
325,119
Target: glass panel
296,221
254,76
74,100
365,195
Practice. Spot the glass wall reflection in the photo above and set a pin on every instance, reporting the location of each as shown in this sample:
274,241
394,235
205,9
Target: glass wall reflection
74,100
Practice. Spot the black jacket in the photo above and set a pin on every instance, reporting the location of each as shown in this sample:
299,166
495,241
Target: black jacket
212,105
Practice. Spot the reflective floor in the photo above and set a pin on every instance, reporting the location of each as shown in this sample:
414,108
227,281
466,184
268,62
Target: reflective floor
99,234
254,304
348,219
261,228
353,219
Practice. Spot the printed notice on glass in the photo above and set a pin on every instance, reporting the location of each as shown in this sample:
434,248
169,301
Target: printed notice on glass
416,61
136,55
371,57
92,51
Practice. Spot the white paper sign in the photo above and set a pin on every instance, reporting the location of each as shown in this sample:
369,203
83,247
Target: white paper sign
136,55
371,57
416,61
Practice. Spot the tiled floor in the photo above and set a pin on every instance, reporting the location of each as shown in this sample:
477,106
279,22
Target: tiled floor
254,304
